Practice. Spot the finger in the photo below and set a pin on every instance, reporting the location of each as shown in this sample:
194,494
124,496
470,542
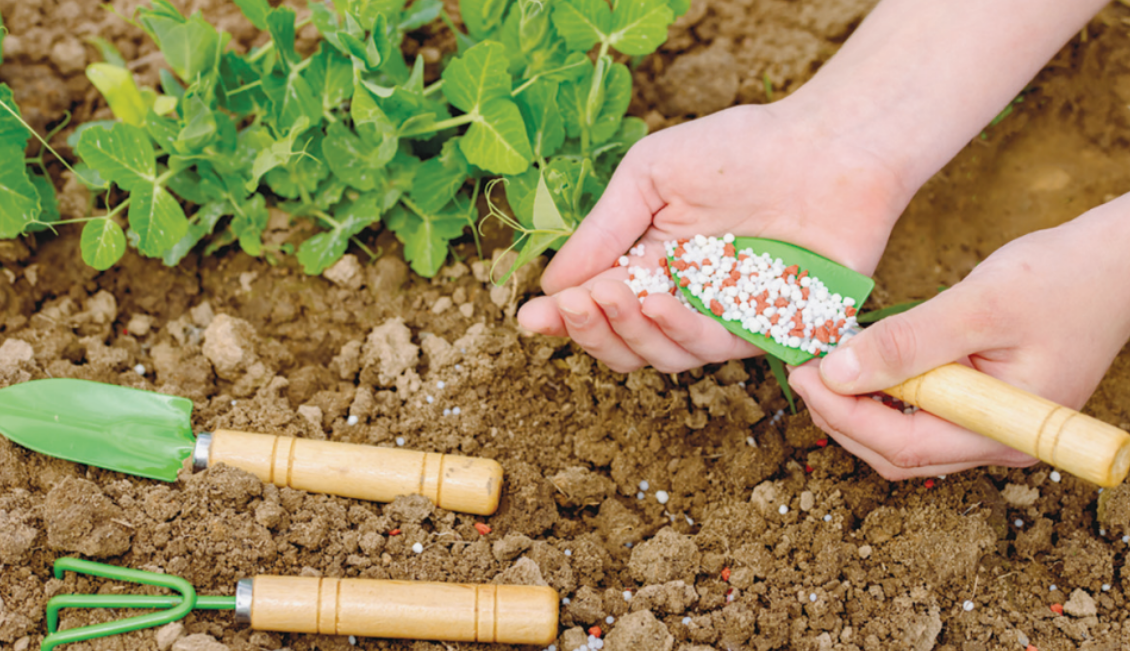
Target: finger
700,336
540,315
622,309
621,216
588,326
956,323
898,445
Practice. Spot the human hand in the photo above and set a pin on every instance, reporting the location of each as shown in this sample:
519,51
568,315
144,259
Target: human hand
1046,313
761,171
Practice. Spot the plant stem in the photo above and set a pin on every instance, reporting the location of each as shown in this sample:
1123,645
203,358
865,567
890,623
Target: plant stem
433,87
441,125
361,245
321,214
34,133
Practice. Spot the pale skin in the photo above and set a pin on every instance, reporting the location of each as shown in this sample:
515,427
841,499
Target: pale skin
831,168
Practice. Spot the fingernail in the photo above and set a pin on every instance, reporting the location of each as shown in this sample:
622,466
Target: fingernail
610,310
841,367
574,318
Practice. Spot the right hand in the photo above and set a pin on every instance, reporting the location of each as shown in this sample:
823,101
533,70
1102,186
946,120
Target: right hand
768,171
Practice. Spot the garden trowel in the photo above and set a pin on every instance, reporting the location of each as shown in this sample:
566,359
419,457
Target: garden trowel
1084,446
150,435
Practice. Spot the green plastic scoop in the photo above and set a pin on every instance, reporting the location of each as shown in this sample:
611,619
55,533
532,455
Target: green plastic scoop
835,276
128,430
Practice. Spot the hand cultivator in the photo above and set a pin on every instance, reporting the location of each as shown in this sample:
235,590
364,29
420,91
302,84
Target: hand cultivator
150,435
504,614
743,284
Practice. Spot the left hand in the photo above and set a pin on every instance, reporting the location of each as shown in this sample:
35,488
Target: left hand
1046,313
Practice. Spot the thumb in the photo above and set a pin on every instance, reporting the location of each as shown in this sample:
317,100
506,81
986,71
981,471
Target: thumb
621,216
954,324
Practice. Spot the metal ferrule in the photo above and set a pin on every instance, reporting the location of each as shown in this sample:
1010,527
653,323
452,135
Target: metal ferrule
200,452
243,592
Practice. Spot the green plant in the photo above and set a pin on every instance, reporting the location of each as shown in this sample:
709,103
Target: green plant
350,137
27,197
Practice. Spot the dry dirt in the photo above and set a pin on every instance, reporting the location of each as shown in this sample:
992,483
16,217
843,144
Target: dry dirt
266,348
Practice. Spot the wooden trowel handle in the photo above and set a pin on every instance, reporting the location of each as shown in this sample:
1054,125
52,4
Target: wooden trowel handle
456,483
505,614
1083,446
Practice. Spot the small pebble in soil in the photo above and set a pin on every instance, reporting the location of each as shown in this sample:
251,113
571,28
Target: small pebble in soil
644,485
783,509
1126,539
1102,532
1019,523
628,545
661,497
1051,588
640,495
139,369
627,595
609,619
456,411
458,367
418,548
1055,476
565,601
751,442
568,552
400,441
1106,587
551,647
353,640
827,517
440,384
690,520
968,605
446,412
352,420
686,621
429,399
233,403
812,597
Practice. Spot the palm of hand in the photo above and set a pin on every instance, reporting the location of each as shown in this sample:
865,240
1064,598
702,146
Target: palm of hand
750,170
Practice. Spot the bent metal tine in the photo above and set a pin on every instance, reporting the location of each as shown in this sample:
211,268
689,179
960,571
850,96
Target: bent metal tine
176,607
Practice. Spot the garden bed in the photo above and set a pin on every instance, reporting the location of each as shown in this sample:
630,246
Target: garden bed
855,562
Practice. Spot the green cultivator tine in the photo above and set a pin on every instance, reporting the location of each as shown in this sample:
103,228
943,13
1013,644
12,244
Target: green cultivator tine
176,606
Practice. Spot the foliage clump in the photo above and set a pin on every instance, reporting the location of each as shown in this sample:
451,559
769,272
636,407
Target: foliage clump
350,136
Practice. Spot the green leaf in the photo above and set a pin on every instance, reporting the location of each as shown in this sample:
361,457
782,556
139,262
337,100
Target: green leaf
280,22
12,130
277,154
331,77
440,178
582,23
520,191
90,177
544,124
199,128
49,205
292,98
357,164
369,53
302,173
191,47
617,97
375,128
426,235
482,16
156,218
419,14
249,143
679,7
256,11
497,141
550,230
778,369
322,250
639,27
240,90
199,188
102,243
204,222
123,155
19,200
572,184
477,77
248,224
326,20
107,51
121,92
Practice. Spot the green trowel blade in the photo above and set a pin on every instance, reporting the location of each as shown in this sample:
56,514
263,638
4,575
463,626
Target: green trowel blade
128,430
836,277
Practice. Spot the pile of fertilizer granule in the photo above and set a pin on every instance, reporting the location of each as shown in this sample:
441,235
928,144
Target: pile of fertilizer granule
766,297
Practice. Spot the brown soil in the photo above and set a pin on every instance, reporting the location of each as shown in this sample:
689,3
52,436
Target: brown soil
265,348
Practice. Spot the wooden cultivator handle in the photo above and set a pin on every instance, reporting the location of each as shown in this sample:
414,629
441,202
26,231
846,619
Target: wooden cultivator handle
1083,446
504,614
456,483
